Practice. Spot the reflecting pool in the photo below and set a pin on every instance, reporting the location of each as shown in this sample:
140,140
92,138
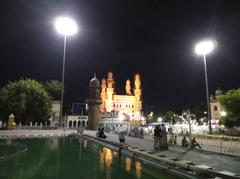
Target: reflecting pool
73,158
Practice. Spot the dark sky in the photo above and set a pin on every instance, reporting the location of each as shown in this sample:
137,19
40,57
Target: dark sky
153,37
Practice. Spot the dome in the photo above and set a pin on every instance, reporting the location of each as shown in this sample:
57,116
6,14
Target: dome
94,82
218,92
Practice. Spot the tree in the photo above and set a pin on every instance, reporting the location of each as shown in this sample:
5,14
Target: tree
53,88
26,99
170,116
231,102
151,117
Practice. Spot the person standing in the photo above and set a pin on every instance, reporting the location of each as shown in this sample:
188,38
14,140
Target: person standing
164,138
160,138
156,137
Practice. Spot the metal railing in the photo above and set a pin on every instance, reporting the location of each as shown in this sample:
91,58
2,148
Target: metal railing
228,147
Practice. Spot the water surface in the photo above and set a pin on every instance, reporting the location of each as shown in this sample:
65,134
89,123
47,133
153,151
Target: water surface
72,158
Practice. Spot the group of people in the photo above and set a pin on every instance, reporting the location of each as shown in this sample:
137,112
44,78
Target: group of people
193,145
160,137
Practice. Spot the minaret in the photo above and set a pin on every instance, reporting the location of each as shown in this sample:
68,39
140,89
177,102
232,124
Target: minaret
137,85
110,92
128,88
138,94
103,95
93,102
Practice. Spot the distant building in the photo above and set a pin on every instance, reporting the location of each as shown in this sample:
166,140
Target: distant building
216,108
128,107
75,121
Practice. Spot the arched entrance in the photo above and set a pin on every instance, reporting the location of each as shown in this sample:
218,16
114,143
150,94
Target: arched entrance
70,124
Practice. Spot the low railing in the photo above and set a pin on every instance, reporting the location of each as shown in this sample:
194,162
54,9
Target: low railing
223,146
218,145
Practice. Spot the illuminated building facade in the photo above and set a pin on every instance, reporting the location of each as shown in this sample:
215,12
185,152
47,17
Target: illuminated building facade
217,110
127,107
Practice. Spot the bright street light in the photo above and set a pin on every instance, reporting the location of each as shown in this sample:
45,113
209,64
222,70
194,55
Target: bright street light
160,119
203,48
223,113
66,27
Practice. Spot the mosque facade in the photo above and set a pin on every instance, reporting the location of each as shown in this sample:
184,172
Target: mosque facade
126,107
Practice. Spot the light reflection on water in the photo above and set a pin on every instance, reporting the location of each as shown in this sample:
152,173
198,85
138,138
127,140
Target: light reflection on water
64,158
138,169
128,162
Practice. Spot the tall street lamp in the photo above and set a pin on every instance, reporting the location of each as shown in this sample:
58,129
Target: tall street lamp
66,27
203,48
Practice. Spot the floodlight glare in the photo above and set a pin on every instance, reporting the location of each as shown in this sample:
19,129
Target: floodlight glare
204,47
66,26
223,113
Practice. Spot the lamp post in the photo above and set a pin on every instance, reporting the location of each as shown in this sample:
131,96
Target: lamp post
66,27
203,48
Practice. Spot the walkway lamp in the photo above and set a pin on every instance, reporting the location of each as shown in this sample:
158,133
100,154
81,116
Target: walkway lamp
66,27
203,48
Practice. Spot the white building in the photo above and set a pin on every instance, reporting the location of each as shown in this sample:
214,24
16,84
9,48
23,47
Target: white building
77,121
216,108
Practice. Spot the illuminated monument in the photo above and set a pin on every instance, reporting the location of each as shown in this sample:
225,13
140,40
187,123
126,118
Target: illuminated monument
93,101
215,105
127,107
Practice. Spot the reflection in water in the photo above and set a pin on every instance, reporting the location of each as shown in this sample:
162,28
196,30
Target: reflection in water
106,159
85,144
53,143
80,140
101,158
108,156
9,141
128,162
138,169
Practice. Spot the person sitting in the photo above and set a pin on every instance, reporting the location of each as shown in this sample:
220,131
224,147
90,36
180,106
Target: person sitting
101,134
121,137
195,144
98,132
185,143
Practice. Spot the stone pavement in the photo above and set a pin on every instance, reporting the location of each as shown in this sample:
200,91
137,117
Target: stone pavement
219,162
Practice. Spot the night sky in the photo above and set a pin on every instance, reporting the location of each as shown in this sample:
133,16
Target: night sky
153,37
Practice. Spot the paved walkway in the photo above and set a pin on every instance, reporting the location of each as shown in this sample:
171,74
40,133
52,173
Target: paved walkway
217,161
